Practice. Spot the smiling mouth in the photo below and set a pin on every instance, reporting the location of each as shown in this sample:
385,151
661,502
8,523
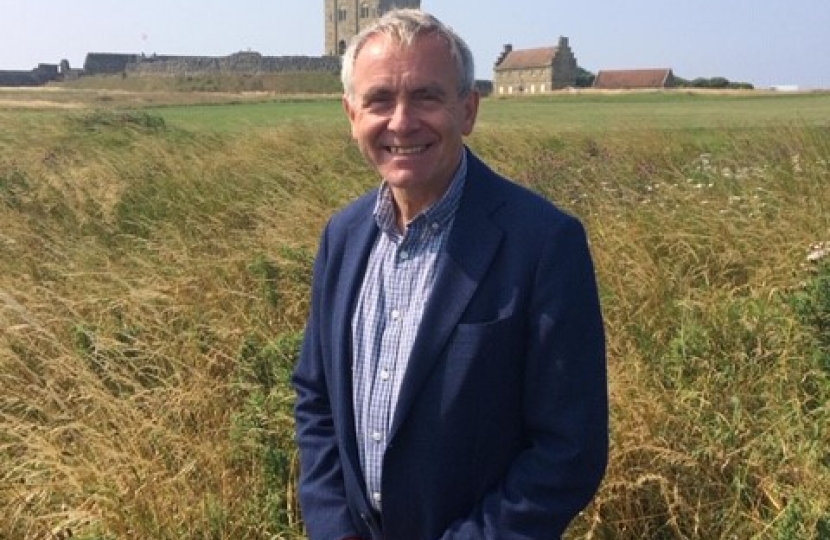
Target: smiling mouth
407,150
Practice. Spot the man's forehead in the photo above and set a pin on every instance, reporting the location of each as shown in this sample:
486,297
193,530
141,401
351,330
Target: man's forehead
380,43
386,63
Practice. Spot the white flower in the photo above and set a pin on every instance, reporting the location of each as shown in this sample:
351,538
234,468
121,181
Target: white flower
818,251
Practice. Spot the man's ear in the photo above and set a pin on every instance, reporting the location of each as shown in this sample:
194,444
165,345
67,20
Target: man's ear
350,111
471,101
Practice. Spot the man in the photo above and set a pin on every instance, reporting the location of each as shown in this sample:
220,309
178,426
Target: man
452,381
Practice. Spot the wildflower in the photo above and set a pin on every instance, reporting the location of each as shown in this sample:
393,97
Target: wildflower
796,162
818,251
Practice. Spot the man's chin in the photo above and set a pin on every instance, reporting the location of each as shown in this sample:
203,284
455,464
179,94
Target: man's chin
397,177
402,182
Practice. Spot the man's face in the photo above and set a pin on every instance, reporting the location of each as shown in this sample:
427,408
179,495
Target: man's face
406,113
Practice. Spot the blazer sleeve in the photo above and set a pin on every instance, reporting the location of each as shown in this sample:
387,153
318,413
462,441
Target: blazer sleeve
321,488
565,403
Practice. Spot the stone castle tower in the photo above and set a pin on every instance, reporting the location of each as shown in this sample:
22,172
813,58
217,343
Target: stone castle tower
345,19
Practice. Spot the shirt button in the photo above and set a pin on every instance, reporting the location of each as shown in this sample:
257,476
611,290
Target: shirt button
377,436
404,255
396,314
384,374
376,496
435,226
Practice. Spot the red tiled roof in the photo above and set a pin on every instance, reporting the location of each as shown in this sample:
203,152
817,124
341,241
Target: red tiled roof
528,58
633,78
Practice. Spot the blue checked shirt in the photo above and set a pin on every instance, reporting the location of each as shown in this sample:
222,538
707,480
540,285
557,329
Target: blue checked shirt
396,286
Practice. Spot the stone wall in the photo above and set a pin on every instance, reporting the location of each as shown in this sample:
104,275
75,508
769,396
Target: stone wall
18,78
39,76
240,63
529,81
108,63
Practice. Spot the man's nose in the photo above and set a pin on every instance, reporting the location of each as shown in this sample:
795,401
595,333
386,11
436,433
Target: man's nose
404,117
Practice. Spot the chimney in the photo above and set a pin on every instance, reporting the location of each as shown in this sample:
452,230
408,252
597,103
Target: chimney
508,48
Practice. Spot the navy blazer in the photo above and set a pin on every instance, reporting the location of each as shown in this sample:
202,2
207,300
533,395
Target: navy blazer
501,428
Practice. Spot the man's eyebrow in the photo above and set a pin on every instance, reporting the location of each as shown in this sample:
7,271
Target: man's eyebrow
433,89
376,91
380,91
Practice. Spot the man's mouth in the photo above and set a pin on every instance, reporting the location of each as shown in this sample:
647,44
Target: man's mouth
407,150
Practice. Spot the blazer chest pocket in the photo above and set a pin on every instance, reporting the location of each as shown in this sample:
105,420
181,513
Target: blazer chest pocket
498,337
482,369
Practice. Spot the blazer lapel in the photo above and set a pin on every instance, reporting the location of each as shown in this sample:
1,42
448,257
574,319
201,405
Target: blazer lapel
361,234
470,249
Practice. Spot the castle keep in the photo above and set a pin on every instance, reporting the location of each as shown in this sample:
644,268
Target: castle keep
346,18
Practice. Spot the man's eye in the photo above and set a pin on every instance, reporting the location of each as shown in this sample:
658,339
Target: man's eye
378,102
428,100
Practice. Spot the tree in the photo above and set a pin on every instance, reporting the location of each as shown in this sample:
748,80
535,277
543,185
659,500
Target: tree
584,78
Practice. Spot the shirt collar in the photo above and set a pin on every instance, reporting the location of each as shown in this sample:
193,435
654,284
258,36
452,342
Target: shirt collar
441,212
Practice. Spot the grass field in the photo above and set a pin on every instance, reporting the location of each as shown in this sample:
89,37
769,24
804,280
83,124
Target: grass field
586,112
156,254
580,111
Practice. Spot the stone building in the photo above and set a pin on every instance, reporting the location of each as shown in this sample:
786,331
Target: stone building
535,71
346,18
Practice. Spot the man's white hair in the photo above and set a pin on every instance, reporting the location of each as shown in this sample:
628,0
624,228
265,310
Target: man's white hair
402,26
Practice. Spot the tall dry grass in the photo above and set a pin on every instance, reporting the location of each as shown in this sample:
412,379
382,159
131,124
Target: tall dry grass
720,396
153,289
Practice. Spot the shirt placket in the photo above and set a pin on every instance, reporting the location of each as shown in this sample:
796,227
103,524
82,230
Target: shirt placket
387,372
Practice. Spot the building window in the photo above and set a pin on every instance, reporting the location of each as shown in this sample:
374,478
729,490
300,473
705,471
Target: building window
364,11
341,14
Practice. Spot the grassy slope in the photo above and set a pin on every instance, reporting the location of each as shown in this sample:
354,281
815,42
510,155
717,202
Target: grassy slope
154,282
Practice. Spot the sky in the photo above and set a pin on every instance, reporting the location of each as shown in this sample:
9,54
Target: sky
762,42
